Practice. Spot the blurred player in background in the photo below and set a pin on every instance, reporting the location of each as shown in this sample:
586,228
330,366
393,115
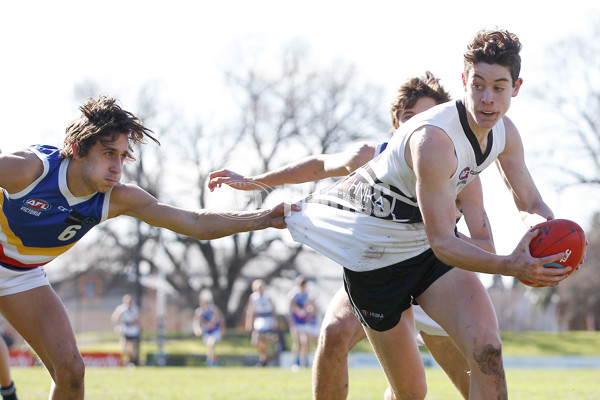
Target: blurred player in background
126,321
209,324
303,321
261,319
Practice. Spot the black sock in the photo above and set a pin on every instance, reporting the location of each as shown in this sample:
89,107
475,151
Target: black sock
9,392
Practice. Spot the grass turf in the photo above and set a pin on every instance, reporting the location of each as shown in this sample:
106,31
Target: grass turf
530,343
173,383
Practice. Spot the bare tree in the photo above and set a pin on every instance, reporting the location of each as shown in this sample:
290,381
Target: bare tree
281,110
287,107
573,91
579,301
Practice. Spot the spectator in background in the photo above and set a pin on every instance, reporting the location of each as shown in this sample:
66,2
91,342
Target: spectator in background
126,321
209,324
261,319
303,322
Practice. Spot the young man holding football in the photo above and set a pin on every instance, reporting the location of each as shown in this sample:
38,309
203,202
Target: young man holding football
391,224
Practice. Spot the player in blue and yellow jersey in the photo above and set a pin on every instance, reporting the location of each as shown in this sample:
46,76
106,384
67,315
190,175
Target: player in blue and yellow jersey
209,324
51,197
303,320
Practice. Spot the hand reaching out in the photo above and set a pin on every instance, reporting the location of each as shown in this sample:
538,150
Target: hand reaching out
232,179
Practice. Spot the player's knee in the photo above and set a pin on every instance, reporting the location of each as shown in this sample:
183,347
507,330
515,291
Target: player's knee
416,391
71,373
335,337
488,357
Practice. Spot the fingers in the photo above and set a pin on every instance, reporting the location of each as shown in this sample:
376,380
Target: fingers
216,183
222,176
214,180
529,236
279,212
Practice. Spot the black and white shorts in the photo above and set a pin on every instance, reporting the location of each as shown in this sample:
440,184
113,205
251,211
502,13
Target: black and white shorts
379,297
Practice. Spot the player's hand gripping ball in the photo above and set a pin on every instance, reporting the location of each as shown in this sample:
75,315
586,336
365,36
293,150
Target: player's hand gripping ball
557,236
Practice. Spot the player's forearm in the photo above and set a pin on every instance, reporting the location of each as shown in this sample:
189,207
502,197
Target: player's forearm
462,254
537,213
305,170
212,224
485,244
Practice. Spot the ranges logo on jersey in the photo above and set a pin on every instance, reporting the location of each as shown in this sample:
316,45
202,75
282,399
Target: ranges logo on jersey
464,174
35,206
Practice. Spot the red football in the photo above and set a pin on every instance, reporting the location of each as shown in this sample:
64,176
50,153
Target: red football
557,236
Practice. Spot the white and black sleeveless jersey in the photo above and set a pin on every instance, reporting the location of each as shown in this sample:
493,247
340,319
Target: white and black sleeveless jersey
371,219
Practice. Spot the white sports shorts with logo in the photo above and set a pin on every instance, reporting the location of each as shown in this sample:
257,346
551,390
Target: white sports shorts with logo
12,281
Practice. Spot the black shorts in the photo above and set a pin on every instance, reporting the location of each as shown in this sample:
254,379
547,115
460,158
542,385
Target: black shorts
379,297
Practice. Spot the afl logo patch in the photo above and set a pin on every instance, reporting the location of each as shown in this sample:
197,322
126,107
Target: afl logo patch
464,174
37,204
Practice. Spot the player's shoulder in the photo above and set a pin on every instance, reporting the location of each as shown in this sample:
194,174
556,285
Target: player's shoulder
25,166
509,126
126,197
512,136
128,192
431,136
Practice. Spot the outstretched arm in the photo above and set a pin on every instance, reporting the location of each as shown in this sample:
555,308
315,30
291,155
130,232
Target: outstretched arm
202,224
308,169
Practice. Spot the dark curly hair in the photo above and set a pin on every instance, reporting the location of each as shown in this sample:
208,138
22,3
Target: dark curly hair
494,47
103,120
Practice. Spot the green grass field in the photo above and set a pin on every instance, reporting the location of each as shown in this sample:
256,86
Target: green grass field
238,342
172,383
248,383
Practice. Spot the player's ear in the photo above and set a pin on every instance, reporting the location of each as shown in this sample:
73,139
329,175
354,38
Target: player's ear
75,150
517,86
464,81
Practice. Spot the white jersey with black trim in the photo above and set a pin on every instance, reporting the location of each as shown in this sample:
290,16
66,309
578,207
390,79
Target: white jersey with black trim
371,219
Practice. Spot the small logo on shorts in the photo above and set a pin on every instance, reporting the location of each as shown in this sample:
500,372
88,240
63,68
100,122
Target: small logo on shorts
372,314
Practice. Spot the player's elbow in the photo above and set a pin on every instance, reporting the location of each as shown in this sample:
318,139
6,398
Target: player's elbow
443,248
489,246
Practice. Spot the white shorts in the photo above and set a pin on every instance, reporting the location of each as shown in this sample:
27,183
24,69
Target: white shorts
310,329
214,335
12,281
424,323
264,324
